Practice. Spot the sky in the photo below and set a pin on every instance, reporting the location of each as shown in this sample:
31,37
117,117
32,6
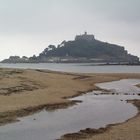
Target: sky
27,27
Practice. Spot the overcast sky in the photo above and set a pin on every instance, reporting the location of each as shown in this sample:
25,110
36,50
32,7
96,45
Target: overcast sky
29,26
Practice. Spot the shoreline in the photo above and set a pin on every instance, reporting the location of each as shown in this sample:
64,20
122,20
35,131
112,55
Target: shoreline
47,81
88,133
93,63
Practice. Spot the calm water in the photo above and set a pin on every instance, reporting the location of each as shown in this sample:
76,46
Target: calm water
125,86
78,67
94,112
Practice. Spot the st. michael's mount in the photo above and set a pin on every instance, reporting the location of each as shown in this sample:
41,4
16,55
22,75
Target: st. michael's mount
84,48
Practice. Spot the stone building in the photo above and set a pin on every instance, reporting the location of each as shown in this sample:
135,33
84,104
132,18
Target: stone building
85,36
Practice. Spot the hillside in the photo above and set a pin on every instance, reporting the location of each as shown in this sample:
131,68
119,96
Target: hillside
85,48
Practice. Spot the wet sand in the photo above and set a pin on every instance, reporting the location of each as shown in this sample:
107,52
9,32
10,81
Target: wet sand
23,92
138,85
128,130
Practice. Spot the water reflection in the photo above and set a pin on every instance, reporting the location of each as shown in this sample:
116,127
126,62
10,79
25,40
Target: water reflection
95,111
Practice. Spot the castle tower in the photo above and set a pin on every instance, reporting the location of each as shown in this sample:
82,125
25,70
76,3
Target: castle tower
86,37
85,33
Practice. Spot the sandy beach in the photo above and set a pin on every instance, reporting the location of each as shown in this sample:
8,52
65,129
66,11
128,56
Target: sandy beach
23,92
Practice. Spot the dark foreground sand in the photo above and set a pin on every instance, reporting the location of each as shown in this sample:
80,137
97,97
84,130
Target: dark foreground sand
23,92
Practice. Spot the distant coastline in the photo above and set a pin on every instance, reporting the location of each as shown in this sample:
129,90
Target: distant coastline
90,63
84,49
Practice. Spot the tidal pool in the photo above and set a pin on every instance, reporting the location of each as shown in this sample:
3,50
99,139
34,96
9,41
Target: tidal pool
125,86
94,111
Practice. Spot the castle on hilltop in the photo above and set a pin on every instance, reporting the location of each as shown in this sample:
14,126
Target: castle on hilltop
85,36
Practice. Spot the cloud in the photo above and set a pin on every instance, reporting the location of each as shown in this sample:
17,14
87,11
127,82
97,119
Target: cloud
52,21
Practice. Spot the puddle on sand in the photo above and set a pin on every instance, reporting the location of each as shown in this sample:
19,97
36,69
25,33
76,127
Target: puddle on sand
94,112
125,86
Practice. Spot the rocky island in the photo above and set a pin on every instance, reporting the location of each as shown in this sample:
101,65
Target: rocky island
84,48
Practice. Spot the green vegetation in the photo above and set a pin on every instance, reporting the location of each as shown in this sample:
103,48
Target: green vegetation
85,48
91,50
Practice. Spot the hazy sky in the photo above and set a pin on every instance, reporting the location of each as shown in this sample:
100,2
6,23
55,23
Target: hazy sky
29,26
